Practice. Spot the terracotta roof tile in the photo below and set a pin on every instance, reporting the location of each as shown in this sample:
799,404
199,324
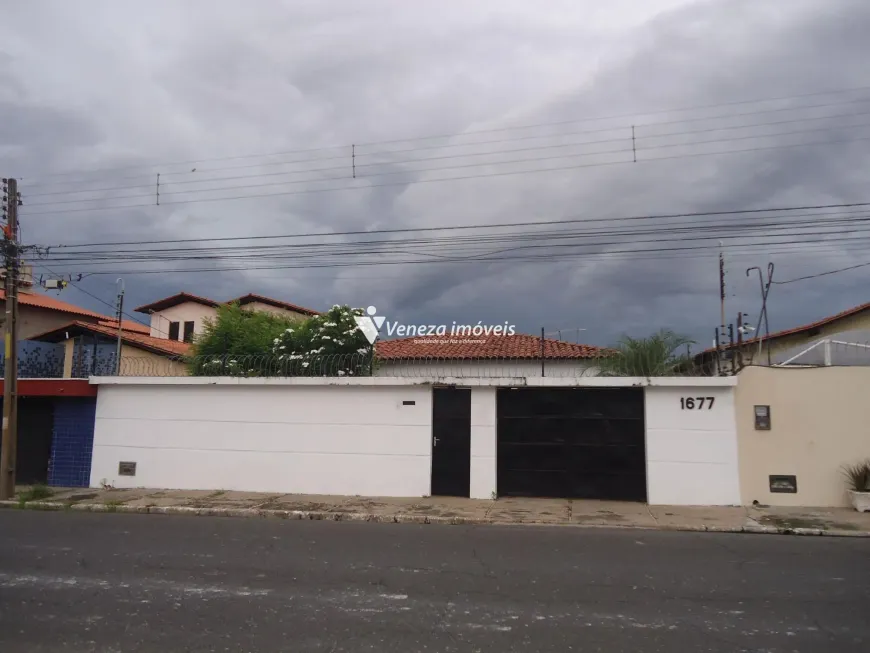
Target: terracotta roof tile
127,325
519,346
136,339
174,300
806,327
182,297
38,300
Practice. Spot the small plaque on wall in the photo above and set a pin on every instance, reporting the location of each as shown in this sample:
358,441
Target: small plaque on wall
783,484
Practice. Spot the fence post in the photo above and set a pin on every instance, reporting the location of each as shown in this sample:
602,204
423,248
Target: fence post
828,352
733,353
94,357
80,371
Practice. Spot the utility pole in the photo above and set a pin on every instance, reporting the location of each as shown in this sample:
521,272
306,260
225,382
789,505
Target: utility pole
740,341
8,446
722,287
120,316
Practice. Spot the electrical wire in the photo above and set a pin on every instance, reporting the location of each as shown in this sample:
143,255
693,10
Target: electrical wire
396,247
99,299
442,179
823,274
502,225
347,177
481,131
542,257
626,138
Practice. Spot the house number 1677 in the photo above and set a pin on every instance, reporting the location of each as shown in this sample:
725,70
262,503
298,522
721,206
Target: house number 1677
696,403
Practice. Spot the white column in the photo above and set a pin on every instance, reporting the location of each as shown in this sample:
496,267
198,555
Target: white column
483,443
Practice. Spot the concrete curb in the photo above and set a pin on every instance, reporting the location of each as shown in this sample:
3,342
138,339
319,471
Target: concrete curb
401,518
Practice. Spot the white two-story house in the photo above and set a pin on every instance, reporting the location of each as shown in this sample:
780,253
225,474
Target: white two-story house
182,316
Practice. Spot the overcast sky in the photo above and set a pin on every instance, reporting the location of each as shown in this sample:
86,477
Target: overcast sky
109,85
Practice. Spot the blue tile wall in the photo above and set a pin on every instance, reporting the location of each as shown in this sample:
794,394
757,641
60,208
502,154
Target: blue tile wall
37,360
72,441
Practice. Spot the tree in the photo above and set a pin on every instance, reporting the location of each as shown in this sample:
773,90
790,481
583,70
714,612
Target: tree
330,344
237,342
655,355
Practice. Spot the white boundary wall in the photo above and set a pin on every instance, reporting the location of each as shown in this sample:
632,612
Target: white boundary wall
311,440
355,436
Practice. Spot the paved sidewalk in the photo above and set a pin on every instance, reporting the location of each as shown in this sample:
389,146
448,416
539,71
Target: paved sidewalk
449,510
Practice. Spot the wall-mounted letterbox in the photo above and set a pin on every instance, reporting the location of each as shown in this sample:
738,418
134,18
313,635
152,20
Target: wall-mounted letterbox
762,418
783,484
126,469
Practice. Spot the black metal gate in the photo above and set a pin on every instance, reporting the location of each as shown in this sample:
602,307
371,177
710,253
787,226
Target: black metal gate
572,442
35,426
451,442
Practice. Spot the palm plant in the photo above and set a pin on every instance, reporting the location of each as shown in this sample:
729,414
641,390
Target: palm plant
655,355
858,476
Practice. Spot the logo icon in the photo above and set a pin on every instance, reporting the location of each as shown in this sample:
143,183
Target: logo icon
370,324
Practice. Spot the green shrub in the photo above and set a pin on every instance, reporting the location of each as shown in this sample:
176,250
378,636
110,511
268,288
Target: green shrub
35,493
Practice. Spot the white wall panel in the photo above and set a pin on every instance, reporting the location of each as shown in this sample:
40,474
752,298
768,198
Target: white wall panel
483,442
345,440
691,453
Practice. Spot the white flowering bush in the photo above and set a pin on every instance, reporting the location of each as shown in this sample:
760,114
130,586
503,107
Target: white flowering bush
329,344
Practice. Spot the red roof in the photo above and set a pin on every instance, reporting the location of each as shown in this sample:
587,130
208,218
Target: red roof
183,297
127,325
521,346
161,346
38,300
806,327
251,297
175,300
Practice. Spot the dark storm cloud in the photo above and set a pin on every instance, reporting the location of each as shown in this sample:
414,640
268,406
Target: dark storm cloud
173,81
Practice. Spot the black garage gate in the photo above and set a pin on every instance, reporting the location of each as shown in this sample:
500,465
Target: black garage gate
585,443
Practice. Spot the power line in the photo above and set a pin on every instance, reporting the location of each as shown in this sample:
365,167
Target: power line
805,250
457,166
393,247
625,128
472,132
321,234
823,274
442,179
525,257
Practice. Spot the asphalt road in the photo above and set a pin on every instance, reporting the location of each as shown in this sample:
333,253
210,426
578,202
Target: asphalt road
125,583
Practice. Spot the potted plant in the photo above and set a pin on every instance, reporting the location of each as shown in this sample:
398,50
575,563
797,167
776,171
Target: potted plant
858,478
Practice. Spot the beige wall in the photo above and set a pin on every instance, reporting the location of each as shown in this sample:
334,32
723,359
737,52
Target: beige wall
257,306
820,420
189,311
854,322
198,314
35,321
134,362
139,362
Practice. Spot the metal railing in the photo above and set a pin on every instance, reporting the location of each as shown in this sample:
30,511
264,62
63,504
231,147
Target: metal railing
828,352
356,365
